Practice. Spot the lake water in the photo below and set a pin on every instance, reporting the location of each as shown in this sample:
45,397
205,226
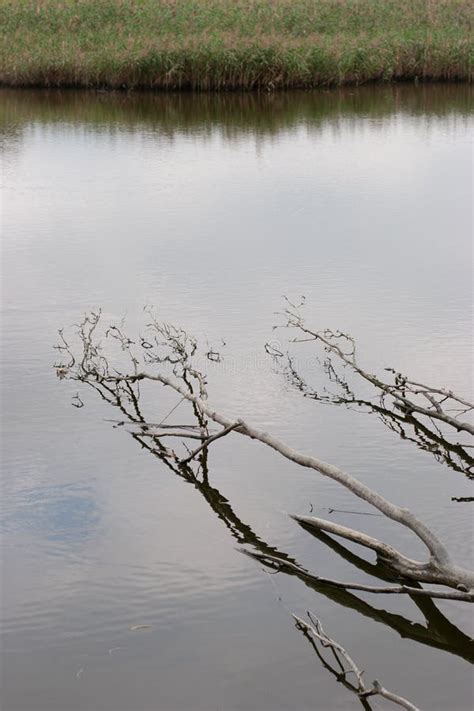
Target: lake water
211,208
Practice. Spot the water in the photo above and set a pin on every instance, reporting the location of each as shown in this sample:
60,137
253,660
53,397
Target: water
211,208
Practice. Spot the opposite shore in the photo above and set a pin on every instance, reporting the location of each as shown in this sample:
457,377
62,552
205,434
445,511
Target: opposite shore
233,44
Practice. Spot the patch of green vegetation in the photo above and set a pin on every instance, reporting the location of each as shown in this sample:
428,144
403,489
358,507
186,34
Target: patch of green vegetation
232,44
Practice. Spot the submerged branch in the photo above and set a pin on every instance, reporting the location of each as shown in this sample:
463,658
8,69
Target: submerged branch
168,346
315,630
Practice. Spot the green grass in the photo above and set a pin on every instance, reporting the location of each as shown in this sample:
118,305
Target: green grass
232,44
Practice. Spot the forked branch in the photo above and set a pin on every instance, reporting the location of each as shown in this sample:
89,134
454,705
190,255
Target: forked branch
314,630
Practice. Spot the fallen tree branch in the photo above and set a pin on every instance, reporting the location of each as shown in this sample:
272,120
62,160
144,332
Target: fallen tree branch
279,565
94,369
315,630
439,632
439,569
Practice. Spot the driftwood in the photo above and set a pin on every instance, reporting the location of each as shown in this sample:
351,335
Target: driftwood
171,347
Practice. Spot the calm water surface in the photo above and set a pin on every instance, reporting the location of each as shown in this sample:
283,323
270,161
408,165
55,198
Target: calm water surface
212,208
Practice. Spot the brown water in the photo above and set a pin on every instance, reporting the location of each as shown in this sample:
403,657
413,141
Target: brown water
211,208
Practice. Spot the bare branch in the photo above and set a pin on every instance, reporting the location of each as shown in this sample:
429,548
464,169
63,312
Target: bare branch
182,435
392,590
213,438
403,405
379,690
175,350
315,629
384,550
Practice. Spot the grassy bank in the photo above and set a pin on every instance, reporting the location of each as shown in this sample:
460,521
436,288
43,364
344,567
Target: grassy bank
232,44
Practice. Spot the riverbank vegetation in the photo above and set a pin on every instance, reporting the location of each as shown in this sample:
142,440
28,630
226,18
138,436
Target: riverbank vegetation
232,44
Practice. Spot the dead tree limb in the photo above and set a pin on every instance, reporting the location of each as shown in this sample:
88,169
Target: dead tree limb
94,368
439,632
392,590
439,569
314,630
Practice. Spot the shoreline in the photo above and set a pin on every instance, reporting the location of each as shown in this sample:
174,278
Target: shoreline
256,89
266,112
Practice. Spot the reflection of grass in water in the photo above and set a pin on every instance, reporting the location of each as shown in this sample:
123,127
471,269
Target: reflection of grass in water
233,43
234,114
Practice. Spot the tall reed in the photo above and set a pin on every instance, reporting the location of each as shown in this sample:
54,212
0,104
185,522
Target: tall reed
232,44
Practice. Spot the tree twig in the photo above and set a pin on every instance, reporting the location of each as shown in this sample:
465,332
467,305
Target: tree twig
210,439
315,629
392,590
